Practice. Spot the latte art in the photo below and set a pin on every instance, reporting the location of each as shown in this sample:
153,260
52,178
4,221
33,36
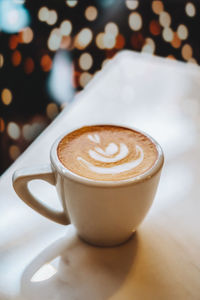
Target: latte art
107,152
106,156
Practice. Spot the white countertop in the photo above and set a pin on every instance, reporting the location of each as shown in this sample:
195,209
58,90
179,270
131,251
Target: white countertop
40,259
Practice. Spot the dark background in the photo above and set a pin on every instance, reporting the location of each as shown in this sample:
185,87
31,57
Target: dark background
40,66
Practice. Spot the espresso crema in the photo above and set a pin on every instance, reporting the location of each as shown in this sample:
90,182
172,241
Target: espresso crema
107,153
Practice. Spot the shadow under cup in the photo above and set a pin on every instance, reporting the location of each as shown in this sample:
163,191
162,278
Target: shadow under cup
104,213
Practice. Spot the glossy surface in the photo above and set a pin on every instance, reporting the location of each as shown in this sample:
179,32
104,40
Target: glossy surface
40,259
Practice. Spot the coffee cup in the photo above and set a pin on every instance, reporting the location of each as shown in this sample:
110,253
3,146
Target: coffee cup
106,185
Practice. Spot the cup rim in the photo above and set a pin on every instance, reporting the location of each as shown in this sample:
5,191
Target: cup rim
61,169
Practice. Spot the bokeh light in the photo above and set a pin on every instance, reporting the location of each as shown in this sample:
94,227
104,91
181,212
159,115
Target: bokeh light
43,14
13,42
66,28
13,130
176,42
83,39
29,65
85,61
135,21
112,28
66,42
46,63
157,6
154,27
150,42
16,58
104,63
91,13
52,110
149,46
190,9
31,131
167,34
27,35
71,3
165,19
13,16
6,96
100,40
132,4
1,60
85,77
109,40
54,39
120,41
14,152
182,32
186,51
2,125
52,17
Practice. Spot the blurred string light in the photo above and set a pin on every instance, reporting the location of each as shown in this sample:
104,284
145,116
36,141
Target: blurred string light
112,28
6,96
54,39
182,32
83,38
91,13
154,27
100,40
168,34
43,14
46,63
47,15
85,77
16,58
72,3
52,110
59,37
60,78
85,61
1,60
13,16
52,17
149,46
186,52
105,61
29,65
110,38
66,27
2,125
165,19
157,6
132,4
26,35
14,152
190,9
135,21
13,41
176,42
31,131
13,130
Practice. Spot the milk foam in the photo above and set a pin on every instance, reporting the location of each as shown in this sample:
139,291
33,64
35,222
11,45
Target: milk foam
120,152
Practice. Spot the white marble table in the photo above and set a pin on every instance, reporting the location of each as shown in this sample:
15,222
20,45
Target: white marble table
40,259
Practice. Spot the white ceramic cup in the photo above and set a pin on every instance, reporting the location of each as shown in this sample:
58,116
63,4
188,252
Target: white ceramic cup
105,213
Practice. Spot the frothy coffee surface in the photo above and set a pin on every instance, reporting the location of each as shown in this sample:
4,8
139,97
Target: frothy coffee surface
107,153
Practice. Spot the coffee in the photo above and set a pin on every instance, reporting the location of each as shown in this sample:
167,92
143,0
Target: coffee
107,153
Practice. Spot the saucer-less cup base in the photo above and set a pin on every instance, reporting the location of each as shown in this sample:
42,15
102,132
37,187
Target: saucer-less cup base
104,213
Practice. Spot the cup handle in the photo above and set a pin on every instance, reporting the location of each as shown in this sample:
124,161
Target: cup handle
21,179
